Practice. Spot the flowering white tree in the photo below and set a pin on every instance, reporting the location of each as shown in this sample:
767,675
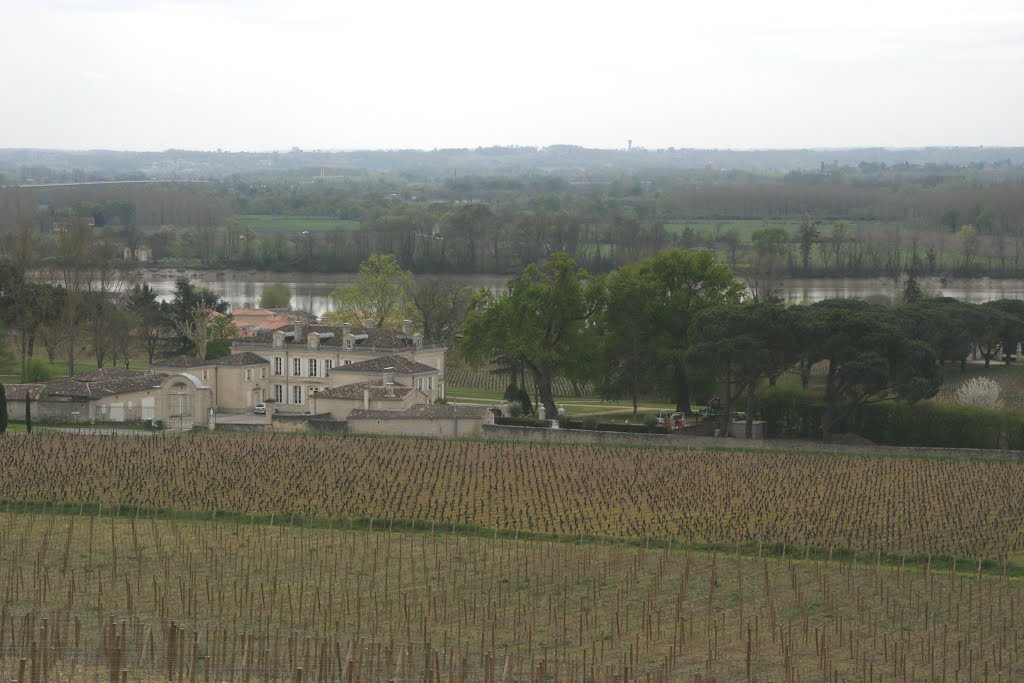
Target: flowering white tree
979,392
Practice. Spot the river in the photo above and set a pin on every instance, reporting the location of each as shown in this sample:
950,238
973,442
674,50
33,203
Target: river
311,291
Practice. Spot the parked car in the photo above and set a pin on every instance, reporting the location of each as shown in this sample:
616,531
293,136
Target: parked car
260,409
670,419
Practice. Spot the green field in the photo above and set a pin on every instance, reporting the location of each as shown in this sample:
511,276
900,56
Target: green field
295,223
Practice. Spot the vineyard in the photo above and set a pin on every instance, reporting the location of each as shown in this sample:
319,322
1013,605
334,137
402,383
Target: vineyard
461,376
90,596
259,559
966,509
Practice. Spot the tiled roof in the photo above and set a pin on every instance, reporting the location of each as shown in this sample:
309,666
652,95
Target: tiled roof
378,392
235,359
243,358
446,411
252,311
401,364
183,362
17,392
365,337
276,322
103,382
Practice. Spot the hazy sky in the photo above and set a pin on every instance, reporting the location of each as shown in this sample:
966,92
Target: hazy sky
258,75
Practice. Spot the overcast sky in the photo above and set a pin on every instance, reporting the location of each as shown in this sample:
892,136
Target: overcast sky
259,75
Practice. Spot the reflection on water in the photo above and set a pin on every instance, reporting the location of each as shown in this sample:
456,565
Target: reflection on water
315,296
308,296
973,290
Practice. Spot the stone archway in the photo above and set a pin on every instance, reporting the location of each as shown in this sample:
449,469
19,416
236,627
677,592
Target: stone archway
180,406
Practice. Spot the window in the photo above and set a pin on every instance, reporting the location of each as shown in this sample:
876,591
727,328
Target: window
312,367
296,367
278,365
279,393
297,394
248,375
263,373
206,374
430,384
328,364
348,362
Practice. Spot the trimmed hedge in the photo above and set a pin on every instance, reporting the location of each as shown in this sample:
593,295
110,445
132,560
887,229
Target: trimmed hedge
578,424
897,423
521,422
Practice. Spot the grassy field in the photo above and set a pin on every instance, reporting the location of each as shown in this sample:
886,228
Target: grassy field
148,597
293,224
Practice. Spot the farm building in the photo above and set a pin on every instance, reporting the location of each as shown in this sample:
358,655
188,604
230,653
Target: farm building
302,358
396,370
340,401
114,395
238,381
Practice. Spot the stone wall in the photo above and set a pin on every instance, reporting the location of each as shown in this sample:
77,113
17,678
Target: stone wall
327,426
243,427
542,435
438,427
50,411
294,422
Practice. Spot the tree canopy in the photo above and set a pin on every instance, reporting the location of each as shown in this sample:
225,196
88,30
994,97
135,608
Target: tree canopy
544,319
276,295
378,296
868,357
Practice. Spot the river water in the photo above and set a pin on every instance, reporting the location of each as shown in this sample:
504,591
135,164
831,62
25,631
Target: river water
311,292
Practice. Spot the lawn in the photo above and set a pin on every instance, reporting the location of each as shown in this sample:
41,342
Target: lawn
295,223
573,406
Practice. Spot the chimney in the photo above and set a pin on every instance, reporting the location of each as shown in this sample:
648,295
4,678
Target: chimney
370,323
313,340
299,329
406,327
366,398
278,338
417,341
388,376
346,329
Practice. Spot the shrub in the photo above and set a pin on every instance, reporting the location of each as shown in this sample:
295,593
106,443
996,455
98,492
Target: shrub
980,392
521,422
37,370
898,423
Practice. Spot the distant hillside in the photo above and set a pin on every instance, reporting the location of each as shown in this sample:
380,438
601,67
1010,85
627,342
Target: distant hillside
25,166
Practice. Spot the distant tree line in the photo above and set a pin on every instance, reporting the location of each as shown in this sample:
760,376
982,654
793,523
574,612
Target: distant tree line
788,226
